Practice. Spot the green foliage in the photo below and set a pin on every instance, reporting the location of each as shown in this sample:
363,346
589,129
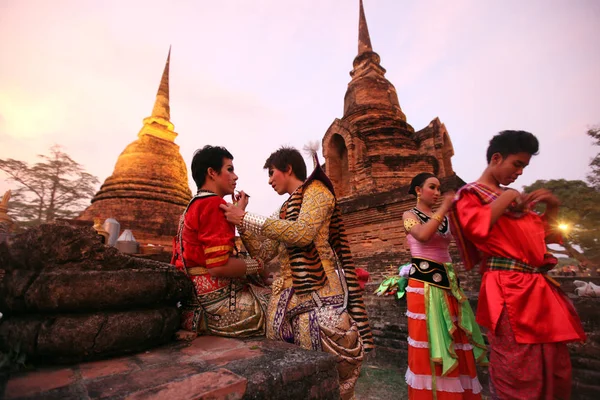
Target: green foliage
55,187
594,176
580,210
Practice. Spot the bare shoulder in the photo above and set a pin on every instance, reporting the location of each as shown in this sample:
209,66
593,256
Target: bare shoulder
409,215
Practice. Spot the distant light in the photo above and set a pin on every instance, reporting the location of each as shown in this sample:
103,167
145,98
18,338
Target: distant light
563,227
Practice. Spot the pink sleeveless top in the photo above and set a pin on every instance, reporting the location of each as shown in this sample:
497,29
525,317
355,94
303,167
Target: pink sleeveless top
436,248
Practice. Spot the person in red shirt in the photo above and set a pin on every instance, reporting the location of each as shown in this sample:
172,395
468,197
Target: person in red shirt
229,298
528,318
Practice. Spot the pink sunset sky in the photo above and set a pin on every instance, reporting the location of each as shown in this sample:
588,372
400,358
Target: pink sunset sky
255,75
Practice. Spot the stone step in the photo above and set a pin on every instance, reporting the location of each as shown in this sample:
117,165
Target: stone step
207,368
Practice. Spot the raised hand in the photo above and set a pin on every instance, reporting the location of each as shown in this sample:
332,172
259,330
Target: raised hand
241,199
541,196
448,200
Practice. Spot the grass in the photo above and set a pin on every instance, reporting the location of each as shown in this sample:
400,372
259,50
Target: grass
377,382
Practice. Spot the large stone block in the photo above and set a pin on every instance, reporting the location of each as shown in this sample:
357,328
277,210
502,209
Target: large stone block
77,337
60,268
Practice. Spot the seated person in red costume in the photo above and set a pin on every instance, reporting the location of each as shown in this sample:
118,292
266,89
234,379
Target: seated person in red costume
528,318
229,300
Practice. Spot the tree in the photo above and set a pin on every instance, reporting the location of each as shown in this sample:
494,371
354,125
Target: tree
55,187
594,176
579,215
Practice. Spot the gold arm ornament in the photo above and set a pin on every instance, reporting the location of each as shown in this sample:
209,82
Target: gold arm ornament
253,266
409,223
253,222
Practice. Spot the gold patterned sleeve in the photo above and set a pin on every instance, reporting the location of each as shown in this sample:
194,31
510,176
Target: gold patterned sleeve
259,246
317,207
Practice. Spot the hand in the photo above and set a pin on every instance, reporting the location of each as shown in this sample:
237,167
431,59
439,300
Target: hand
267,277
518,204
448,200
541,196
234,214
240,199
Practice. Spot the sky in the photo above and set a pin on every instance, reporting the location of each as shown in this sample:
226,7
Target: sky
255,75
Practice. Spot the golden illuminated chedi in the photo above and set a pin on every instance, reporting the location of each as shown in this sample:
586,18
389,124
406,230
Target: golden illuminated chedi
148,189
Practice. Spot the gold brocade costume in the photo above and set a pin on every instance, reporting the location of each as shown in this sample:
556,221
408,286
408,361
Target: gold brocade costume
310,301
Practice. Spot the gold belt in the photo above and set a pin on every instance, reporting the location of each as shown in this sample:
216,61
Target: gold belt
195,271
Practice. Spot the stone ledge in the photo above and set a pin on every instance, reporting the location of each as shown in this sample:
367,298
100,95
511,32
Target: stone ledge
207,368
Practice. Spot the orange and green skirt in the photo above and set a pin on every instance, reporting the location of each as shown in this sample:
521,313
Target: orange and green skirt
444,342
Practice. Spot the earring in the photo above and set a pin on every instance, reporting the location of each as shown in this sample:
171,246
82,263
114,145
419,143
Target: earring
418,197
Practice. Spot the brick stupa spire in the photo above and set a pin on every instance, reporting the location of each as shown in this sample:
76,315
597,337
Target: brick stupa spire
364,39
373,148
369,88
371,154
148,189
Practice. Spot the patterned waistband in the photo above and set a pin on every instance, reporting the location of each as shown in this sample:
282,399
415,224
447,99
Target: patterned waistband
195,271
429,271
509,264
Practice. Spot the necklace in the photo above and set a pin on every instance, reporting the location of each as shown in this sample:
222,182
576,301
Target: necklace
423,212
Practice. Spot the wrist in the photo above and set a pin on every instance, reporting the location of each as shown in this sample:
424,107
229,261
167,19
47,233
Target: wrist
253,223
253,266
240,224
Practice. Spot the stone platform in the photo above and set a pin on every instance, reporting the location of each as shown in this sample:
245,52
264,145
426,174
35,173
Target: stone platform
207,368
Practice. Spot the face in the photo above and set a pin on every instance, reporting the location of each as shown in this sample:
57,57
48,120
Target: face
226,178
507,169
279,180
429,191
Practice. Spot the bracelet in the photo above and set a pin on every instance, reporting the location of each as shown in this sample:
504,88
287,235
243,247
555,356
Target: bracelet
438,218
240,226
253,266
253,223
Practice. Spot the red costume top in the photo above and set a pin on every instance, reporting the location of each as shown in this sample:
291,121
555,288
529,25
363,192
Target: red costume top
208,240
538,311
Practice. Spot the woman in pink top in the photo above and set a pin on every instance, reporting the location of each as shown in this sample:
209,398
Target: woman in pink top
444,342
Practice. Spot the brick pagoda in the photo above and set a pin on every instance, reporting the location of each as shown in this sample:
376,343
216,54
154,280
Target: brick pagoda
372,153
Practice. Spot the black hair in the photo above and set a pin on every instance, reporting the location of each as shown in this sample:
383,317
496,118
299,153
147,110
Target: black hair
512,142
418,181
205,158
285,157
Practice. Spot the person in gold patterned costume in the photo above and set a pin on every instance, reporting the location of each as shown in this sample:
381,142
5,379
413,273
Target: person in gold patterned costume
230,299
317,301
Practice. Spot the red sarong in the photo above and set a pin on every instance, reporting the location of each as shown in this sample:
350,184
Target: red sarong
527,371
